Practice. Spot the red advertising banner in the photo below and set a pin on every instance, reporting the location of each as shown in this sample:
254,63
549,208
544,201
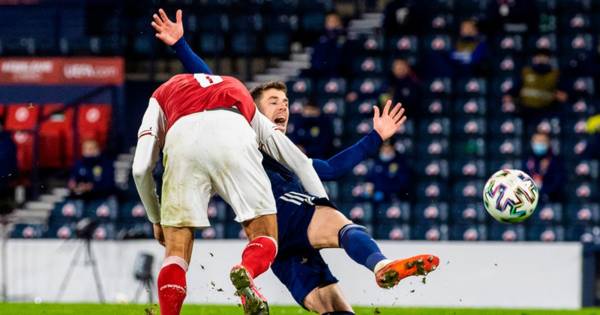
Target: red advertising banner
62,71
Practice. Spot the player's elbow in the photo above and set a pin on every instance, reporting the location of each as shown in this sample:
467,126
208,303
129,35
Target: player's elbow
140,170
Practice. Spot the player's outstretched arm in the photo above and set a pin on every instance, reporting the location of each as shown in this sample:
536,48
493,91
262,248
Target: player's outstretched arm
171,33
385,124
145,157
283,150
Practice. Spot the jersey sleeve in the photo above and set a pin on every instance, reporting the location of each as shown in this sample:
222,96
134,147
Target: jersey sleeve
191,62
283,150
150,140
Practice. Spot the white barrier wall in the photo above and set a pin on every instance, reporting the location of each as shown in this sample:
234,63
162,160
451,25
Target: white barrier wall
522,275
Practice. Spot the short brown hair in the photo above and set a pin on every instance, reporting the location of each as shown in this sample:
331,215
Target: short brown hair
257,92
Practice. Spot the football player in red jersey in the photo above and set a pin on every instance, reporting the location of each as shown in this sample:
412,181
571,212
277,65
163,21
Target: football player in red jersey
209,131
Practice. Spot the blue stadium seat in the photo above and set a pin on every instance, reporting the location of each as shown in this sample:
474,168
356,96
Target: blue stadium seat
27,231
393,212
403,46
429,213
233,230
507,127
366,87
246,23
105,231
215,231
332,87
467,190
437,43
312,22
432,191
580,107
281,22
466,168
405,146
584,191
496,165
361,213
546,233
217,211
507,232
64,231
471,87
438,87
277,43
547,213
575,127
543,41
437,127
507,65
584,170
437,169
245,44
433,148
213,23
501,85
508,148
212,43
582,86
102,209
441,23
474,232
573,148
299,87
71,210
508,44
469,128
394,232
365,45
468,213
334,107
582,233
577,22
436,107
433,232
367,66
470,107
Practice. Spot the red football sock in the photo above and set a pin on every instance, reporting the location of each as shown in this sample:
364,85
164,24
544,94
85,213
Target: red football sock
259,255
171,285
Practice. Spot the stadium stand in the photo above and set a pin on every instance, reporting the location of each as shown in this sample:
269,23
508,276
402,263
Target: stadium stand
461,130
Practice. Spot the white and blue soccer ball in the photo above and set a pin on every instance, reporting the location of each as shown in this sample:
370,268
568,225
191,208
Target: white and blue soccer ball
510,196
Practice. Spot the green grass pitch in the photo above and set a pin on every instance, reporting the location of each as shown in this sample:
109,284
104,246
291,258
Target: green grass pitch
127,309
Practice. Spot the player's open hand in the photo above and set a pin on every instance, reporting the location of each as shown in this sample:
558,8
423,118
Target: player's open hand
158,233
166,30
388,122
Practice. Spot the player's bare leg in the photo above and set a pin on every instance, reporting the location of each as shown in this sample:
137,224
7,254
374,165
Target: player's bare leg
329,228
172,287
327,299
256,259
324,227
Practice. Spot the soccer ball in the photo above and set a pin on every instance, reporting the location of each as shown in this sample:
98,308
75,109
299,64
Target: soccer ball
510,196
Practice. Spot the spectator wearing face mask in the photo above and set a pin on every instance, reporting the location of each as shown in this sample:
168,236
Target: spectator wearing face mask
93,175
325,58
404,86
539,89
546,169
470,51
313,132
390,176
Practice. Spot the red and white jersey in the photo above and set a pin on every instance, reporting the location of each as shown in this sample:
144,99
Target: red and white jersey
186,94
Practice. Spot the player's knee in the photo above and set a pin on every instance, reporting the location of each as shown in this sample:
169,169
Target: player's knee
315,302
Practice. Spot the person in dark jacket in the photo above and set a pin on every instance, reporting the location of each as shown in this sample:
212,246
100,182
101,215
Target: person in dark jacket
546,169
8,170
93,175
325,58
404,86
390,176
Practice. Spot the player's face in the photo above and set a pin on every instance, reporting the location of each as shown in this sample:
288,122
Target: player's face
274,105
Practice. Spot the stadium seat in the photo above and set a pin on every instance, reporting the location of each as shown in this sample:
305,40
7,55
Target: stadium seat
24,143
441,23
217,211
246,23
94,122
393,212
471,87
64,231
102,209
56,136
432,232
468,232
507,65
245,44
437,43
546,233
366,87
367,66
213,23
467,213
365,45
433,169
582,233
21,117
71,210
583,191
505,149
394,232
464,168
508,44
27,231
469,128
547,213
132,211
507,232
470,107
583,170
469,147
361,213
215,231
431,190
212,43
468,190
438,127
501,85
312,21
433,148
436,107
331,87
544,41
299,87
277,44
428,213
507,127
438,87
404,46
